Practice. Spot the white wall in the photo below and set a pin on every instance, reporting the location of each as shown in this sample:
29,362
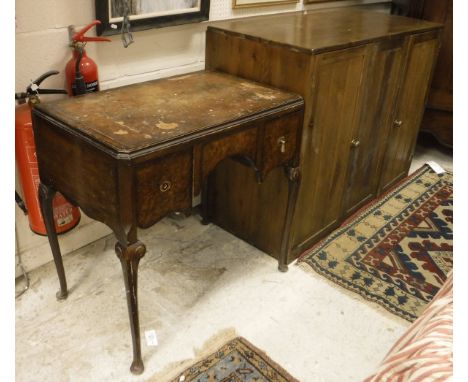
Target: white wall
42,45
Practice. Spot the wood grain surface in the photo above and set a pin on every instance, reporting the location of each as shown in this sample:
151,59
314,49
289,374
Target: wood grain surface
134,117
364,78
326,30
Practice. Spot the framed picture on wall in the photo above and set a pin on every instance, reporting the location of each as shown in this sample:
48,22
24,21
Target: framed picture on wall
319,1
259,3
146,14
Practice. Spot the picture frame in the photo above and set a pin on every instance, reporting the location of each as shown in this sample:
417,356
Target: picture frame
147,14
259,3
319,1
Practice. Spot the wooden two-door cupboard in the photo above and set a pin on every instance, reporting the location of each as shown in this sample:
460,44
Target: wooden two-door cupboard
364,77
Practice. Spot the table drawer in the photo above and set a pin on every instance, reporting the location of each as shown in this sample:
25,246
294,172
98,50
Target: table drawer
164,185
280,141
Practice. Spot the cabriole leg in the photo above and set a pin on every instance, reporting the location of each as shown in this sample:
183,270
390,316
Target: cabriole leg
129,257
46,197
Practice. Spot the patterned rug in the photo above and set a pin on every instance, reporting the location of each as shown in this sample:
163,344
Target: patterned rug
399,250
236,361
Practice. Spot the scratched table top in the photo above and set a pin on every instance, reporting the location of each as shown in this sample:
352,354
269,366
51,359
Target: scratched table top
142,115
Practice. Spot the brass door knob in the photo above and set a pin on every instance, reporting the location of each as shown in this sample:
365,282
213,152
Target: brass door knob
355,143
397,123
282,143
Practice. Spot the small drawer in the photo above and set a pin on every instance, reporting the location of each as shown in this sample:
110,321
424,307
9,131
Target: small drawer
163,186
280,141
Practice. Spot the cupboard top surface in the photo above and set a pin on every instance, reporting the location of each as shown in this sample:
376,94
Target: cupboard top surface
152,113
317,31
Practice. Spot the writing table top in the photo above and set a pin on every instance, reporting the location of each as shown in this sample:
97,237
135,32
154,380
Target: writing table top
143,115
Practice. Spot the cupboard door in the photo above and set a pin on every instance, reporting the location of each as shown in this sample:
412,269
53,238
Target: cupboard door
422,52
336,104
369,141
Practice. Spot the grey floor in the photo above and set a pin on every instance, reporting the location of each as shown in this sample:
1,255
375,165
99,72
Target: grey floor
197,282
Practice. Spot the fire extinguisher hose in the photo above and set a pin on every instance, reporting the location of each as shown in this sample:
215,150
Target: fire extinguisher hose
79,82
23,271
20,202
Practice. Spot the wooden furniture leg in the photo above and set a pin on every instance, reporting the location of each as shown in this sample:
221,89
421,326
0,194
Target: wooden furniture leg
129,256
46,196
293,174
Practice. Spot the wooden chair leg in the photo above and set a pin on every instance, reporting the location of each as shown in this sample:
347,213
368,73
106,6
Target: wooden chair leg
129,257
46,197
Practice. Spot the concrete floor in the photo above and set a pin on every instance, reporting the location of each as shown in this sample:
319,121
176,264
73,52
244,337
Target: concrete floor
196,282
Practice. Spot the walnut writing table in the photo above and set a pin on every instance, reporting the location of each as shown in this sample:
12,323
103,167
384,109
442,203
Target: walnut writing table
129,156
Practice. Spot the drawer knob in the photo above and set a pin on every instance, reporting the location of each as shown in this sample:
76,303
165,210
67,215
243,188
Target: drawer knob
355,143
165,186
397,123
282,143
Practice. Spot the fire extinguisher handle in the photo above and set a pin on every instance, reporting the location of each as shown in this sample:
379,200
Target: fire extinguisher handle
80,35
85,38
33,88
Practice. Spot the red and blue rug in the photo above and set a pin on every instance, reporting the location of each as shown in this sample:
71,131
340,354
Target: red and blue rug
397,252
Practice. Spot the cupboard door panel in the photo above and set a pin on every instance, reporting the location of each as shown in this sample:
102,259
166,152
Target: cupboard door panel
422,51
338,83
382,85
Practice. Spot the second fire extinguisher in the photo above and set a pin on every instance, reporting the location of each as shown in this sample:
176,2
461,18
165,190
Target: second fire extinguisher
66,216
81,71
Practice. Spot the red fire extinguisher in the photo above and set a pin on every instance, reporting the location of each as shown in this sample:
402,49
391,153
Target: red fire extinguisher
81,71
66,216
